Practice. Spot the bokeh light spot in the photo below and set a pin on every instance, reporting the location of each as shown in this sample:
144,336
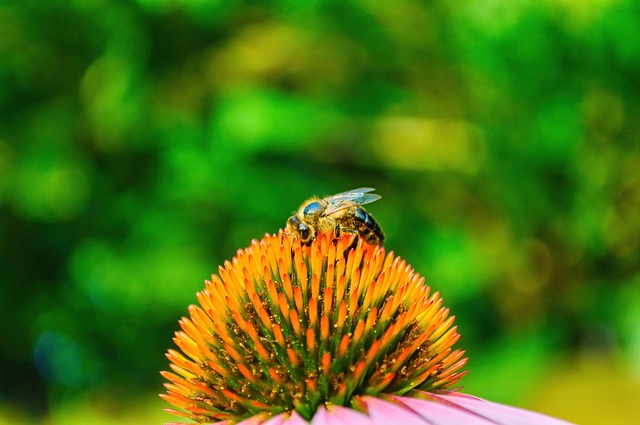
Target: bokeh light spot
59,359
51,186
428,144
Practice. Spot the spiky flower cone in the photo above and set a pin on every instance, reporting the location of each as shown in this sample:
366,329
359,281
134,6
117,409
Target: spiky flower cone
285,327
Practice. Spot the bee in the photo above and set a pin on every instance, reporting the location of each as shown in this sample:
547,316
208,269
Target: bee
341,213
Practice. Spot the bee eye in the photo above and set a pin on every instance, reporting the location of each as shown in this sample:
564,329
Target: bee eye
299,228
292,223
305,232
313,208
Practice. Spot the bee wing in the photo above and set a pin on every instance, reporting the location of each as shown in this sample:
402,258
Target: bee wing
350,198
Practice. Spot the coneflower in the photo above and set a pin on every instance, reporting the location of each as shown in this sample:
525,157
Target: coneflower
336,332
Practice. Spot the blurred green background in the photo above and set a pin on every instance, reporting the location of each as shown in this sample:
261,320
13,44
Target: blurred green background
143,142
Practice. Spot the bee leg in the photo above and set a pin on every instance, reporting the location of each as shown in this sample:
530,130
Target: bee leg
354,241
353,245
339,231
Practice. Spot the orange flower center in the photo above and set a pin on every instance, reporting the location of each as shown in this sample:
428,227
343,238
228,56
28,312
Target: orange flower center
287,327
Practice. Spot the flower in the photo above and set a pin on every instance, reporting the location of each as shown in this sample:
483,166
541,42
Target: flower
339,331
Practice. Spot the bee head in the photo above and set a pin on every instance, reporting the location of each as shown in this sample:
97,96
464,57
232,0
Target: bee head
297,227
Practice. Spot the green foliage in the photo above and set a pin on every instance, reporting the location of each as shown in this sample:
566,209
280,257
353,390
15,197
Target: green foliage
142,143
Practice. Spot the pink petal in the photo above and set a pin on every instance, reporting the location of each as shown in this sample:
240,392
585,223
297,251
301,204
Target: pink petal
277,419
288,418
433,409
296,419
338,415
431,413
380,412
474,410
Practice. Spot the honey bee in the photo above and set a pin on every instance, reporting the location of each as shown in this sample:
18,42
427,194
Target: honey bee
341,213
